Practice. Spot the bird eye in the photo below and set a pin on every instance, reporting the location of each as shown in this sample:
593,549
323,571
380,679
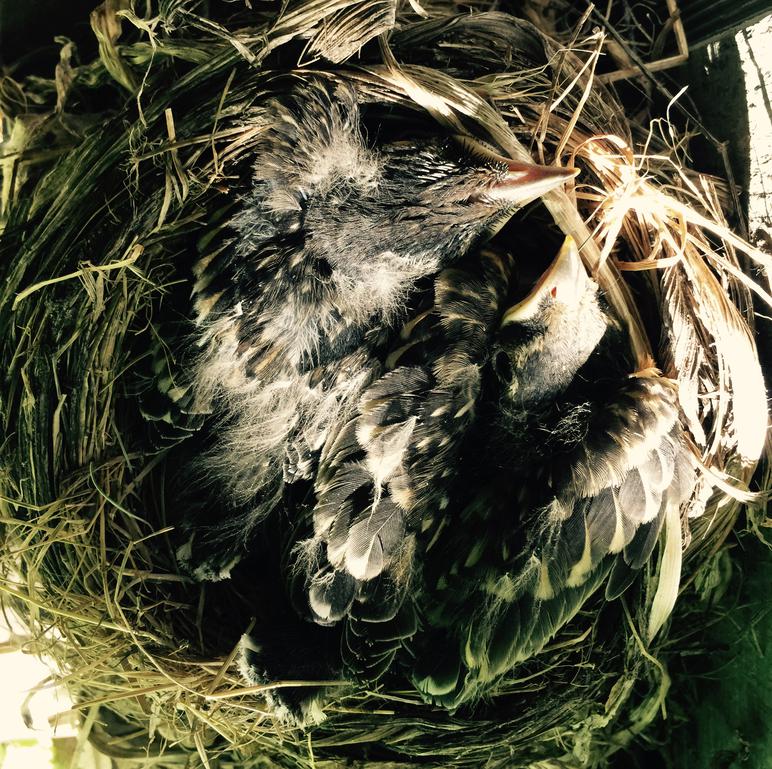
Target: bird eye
503,366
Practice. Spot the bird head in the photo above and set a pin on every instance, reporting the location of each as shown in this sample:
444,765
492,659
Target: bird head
547,337
436,198
374,219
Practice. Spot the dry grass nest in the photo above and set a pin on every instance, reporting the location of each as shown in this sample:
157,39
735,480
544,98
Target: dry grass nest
111,167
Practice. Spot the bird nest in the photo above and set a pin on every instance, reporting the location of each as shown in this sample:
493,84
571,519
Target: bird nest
113,167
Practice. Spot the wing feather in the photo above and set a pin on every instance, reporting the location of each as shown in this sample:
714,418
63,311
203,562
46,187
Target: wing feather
613,495
385,469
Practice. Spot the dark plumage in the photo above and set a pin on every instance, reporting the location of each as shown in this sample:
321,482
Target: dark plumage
311,273
580,459
506,465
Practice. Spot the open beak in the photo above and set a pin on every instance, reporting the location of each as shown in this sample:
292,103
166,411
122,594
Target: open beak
526,181
565,281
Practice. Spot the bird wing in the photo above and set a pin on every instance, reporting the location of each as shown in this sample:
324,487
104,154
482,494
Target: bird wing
387,471
612,485
166,398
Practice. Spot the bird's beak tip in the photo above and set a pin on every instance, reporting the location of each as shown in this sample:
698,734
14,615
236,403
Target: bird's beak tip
526,181
568,252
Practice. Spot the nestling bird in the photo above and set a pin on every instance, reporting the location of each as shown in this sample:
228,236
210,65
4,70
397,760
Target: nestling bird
468,474
509,463
312,272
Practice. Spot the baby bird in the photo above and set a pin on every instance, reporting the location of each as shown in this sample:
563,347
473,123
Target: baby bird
584,459
509,463
313,272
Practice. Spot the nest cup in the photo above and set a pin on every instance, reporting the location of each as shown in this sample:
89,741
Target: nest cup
111,173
